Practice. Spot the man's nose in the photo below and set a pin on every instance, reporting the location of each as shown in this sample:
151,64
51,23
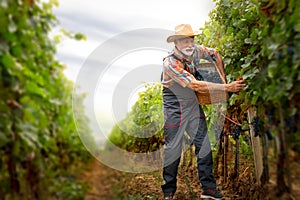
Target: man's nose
191,44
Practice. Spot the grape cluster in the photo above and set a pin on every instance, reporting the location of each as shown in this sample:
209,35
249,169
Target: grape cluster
236,132
255,124
258,127
271,115
269,135
290,125
290,49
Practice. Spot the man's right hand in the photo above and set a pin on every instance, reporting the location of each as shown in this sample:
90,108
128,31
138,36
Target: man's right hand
204,87
235,86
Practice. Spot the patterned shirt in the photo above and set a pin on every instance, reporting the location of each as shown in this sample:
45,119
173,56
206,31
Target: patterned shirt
173,70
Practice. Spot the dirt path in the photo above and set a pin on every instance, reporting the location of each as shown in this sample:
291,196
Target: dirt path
100,179
109,184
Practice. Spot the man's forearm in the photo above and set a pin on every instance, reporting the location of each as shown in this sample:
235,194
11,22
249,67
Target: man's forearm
204,87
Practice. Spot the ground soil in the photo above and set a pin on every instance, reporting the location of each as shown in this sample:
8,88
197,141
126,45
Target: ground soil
109,184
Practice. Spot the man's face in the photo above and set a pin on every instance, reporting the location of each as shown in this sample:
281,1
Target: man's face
185,45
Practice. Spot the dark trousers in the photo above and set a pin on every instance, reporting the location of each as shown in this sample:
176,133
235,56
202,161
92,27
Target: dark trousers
182,114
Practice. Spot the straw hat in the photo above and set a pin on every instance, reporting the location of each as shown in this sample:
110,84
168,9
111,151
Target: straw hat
181,31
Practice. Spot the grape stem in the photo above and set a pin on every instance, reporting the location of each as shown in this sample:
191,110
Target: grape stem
237,123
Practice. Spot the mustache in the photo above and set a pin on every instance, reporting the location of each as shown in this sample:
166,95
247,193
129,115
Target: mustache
189,48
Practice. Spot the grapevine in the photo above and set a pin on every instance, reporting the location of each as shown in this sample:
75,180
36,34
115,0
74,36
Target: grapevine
39,146
258,41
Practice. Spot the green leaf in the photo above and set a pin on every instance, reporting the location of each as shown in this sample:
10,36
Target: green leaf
3,47
29,135
248,41
3,139
245,65
272,69
54,2
32,88
255,97
12,27
297,26
4,4
206,32
80,36
8,61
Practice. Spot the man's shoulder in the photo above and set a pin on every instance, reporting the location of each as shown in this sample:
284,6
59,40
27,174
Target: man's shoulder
171,59
167,58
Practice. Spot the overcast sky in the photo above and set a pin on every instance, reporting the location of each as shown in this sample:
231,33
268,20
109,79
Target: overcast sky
100,20
103,20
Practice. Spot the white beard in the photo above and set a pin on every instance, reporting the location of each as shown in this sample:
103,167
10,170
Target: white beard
188,53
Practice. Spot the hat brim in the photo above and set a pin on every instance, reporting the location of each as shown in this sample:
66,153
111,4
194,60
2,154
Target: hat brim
172,38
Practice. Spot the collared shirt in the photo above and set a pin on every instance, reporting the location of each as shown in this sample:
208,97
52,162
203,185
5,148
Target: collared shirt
173,70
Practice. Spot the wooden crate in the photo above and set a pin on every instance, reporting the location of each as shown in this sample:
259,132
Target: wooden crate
211,73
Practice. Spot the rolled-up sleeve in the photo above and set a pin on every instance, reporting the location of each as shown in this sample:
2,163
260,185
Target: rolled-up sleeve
174,70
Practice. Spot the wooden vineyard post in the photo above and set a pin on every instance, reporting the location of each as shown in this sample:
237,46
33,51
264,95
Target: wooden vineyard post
225,154
256,149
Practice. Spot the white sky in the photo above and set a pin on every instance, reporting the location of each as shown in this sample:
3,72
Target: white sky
101,20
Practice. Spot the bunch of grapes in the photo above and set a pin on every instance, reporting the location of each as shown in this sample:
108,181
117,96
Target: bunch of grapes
271,115
269,134
236,132
255,124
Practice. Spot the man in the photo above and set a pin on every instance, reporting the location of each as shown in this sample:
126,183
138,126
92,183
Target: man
182,111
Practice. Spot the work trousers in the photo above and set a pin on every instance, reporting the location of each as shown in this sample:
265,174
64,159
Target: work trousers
182,113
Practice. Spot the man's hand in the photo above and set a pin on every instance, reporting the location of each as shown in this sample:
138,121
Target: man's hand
235,86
